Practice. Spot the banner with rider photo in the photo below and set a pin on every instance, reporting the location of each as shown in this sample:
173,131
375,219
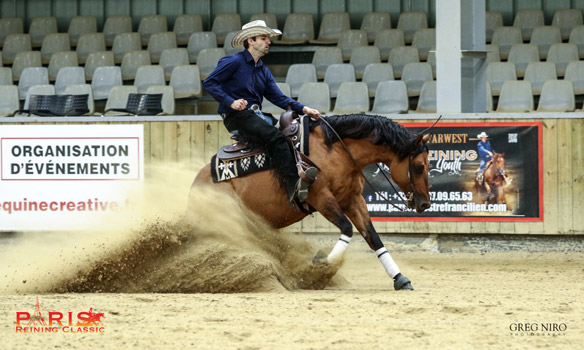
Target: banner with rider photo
508,186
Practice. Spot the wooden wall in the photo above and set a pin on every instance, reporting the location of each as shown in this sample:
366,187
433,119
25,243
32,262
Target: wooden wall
563,176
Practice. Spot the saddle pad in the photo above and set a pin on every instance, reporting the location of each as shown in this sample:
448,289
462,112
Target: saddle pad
222,170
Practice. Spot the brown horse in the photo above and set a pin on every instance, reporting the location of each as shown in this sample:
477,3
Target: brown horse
336,193
492,190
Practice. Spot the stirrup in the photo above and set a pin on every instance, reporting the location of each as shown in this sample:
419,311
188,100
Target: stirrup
303,184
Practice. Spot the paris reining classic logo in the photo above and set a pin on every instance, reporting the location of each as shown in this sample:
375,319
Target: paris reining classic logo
59,322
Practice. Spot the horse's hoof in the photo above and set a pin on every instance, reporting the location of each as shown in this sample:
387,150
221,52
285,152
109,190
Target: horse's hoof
320,258
402,283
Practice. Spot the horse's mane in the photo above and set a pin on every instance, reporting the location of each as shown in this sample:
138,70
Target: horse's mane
378,129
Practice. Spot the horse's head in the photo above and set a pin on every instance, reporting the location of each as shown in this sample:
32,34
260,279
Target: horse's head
411,175
499,162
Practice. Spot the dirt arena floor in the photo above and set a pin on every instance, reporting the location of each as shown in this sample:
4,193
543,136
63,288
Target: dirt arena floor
232,283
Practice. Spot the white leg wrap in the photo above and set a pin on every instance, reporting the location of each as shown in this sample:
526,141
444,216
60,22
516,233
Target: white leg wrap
339,248
387,262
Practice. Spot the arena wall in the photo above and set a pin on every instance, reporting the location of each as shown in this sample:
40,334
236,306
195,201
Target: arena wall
192,140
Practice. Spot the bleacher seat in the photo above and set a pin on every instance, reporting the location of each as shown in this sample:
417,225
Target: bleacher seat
374,74
98,59
315,95
149,75
80,25
13,44
331,27
544,37
149,25
539,72
493,54
25,59
561,55
577,38
505,37
208,59
336,74
402,55
40,27
43,89
88,43
10,25
69,76
6,76
9,103
104,79
387,39
497,73
363,56
432,60
131,61
115,25
493,20
186,81
489,98
567,19
229,49
171,58
118,98
557,96
299,74
81,89
185,26
521,55
351,39
167,103
352,98
62,59
374,22
54,42
125,42
516,97
427,99
424,39
392,97
298,29
32,76
159,42
528,20
415,74
269,107
575,74
323,57
409,22
269,18
199,41
223,24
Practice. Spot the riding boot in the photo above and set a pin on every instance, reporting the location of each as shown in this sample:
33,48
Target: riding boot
303,184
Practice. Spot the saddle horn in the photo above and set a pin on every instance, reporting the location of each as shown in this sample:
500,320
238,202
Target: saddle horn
287,117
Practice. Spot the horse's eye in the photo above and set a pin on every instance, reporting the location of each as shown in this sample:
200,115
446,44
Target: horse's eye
419,168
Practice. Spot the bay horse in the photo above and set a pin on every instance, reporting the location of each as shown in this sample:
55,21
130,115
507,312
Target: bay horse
336,193
492,190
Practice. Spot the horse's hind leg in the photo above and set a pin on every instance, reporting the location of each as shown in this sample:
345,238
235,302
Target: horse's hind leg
360,218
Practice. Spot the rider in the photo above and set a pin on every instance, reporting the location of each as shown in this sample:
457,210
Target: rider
485,153
240,81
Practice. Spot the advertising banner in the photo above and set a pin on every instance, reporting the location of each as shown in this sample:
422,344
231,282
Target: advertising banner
60,177
507,187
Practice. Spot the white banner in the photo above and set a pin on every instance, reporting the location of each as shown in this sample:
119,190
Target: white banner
61,177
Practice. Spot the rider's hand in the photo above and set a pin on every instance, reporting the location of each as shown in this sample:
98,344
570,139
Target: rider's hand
239,105
311,112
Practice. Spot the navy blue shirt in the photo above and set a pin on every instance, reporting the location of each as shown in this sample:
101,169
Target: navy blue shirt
238,76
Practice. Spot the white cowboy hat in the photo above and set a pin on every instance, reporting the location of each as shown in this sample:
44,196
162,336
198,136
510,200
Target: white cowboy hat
252,29
482,134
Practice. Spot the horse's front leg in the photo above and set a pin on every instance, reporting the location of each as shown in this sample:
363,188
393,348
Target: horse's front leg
360,217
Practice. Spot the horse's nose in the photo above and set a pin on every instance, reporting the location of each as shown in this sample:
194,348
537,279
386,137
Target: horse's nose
425,205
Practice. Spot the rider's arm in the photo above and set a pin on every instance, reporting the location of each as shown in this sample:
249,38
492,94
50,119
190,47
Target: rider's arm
213,84
275,95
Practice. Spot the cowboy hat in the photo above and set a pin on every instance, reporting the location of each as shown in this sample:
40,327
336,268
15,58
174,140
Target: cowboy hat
252,29
482,134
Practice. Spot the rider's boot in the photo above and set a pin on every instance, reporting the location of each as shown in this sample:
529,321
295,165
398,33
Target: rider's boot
480,179
303,185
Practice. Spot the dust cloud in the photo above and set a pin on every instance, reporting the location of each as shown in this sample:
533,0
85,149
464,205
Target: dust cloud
217,247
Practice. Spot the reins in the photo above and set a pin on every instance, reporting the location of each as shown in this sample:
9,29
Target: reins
362,174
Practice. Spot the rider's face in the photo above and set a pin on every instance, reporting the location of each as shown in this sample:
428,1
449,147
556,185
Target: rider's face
484,139
260,45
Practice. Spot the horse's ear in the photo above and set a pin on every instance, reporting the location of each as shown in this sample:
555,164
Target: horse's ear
421,138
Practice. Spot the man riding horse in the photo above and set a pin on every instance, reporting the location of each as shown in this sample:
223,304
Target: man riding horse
241,81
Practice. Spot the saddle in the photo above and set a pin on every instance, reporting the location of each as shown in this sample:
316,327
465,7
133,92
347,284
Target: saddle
290,127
